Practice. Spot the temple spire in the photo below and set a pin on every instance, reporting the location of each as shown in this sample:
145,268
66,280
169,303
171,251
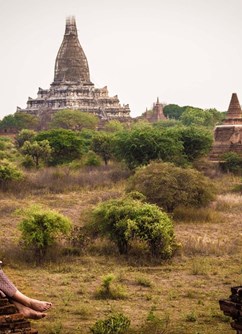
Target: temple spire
71,26
234,110
71,64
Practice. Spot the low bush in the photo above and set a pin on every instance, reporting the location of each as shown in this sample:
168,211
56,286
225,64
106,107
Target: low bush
41,227
91,159
170,186
110,290
8,173
123,220
117,323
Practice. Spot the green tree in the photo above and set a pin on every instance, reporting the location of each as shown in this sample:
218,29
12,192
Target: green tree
173,111
169,123
8,122
231,162
86,136
26,121
66,145
200,117
38,150
170,186
217,116
196,141
142,144
23,136
18,121
41,228
195,116
102,145
123,220
75,120
113,126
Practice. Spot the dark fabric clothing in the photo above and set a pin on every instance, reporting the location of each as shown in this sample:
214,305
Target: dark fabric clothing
6,286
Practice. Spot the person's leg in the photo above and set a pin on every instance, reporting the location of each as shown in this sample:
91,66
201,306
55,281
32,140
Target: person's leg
6,286
10,290
35,304
28,312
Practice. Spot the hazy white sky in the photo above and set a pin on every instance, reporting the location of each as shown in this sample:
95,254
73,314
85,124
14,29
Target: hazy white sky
187,52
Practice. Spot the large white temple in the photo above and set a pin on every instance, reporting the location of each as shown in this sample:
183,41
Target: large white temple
72,87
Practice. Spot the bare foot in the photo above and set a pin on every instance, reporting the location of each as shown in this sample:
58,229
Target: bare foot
39,305
28,312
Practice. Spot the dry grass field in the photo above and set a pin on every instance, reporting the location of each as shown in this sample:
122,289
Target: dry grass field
182,293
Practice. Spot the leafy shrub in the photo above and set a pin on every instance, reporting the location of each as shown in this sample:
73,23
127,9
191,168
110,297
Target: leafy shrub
196,141
123,220
3,154
23,136
38,151
232,162
102,145
28,162
117,323
91,159
9,172
40,228
109,290
169,186
142,144
66,145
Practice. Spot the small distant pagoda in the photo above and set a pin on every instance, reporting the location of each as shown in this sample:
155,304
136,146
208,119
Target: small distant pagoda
72,87
156,114
228,136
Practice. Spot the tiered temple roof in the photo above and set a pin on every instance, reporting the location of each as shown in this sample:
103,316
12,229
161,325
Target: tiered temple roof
72,87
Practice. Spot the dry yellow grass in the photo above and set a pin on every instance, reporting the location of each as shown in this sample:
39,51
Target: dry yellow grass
185,289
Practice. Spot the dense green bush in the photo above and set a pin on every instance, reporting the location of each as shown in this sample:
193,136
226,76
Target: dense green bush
117,323
232,162
123,220
102,145
9,172
66,145
143,143
41,227
170,186
91,159
196,141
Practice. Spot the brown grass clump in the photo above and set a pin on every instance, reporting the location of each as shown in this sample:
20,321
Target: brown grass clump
62,179
208,245
229,202
198,215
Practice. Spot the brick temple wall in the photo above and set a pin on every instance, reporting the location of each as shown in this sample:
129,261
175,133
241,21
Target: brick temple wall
12,322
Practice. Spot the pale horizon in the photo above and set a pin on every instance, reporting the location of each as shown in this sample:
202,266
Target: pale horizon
186,52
